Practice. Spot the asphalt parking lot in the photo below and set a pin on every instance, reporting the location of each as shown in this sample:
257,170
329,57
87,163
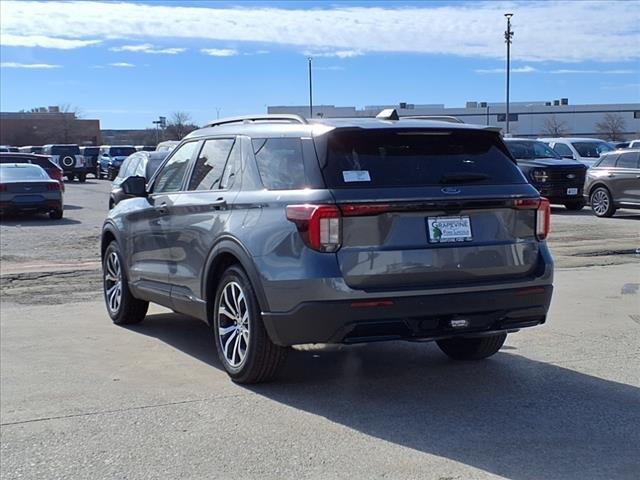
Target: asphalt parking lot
81,398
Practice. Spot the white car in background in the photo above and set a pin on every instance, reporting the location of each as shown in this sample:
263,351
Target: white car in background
584,150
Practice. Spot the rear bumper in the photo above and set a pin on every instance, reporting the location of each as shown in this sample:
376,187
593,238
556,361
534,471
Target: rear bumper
425,317
36,207
74,170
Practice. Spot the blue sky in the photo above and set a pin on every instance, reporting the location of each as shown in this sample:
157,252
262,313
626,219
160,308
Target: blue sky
127,63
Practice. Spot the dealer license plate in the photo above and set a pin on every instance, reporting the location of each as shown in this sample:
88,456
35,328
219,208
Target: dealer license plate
449,229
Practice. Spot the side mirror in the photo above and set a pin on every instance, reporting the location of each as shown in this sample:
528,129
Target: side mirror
135,186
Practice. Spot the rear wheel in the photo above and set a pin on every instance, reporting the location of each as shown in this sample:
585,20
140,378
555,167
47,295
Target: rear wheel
575,205
56,214
123,307
244,347
82,177
475,348
70,177
602,203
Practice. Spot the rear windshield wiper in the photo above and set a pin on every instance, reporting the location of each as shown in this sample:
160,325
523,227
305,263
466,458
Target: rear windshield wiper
463,178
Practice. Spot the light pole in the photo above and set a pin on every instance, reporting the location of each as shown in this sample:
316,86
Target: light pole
310,90
508,35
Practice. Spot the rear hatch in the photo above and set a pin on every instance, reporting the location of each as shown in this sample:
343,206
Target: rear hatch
427,208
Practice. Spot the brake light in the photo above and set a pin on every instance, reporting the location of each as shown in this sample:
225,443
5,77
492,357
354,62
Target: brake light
543,219
363,210
53,186
543,214
55,173
319,225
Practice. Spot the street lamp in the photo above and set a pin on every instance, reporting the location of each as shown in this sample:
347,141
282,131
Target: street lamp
310,90
508,35
161,122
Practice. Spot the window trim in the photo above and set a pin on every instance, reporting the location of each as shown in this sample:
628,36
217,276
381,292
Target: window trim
235,139
152,182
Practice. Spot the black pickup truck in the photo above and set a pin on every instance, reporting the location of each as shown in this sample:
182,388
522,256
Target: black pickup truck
556,178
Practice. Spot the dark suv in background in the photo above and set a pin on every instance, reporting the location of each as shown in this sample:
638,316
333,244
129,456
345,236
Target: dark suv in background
277,231
560,180
91,154
69,158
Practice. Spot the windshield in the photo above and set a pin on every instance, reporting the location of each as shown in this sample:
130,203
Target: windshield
65,150
383,158
531,150
121,151
592,149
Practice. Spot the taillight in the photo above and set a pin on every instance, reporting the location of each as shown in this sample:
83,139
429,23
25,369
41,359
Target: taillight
53,186
543,214
55,173
319,225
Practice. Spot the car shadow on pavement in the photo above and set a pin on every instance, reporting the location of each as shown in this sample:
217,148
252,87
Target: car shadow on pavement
509,415
35,221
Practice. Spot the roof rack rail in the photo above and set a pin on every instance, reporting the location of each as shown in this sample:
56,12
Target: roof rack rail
269,117
439,118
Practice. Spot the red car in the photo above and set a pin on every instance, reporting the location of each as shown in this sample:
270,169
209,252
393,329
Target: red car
44,161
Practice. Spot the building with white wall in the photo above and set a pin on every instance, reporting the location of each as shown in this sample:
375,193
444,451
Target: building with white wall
527,119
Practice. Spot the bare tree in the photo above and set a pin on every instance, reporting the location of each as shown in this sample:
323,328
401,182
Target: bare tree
179,125
611,127
68,118
554,127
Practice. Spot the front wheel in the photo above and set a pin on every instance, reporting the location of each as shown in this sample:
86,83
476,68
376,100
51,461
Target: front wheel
123,307
602,203
244,347
82,177
575,205
475,348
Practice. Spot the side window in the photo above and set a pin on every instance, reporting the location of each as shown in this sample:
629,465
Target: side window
170,178
140,168
207,172
130,167
627,160
562,150
231,170
608,160
280,162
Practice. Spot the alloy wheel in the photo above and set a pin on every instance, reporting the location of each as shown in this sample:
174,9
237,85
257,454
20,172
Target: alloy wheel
113,282
600,202
233,324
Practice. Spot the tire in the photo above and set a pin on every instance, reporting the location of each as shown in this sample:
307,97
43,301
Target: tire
97,173
575,206
602,203
82,177
110,175
129,310
262,358
472,348
71,177
56,214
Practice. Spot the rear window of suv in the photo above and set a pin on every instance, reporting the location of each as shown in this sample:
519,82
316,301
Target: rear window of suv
65,150
406,158
121,151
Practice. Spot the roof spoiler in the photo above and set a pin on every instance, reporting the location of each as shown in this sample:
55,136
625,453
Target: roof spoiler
265,118
437,118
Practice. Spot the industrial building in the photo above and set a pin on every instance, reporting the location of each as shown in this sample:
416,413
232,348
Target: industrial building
526,119
47,125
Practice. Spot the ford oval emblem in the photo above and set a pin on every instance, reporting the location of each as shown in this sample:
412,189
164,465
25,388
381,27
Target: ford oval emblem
451,190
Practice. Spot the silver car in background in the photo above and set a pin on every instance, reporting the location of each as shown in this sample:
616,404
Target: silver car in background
614,182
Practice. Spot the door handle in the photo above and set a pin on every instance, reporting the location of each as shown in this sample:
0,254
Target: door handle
219,204
162,209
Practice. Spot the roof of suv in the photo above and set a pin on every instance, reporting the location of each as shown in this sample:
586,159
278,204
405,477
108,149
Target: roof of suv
315,127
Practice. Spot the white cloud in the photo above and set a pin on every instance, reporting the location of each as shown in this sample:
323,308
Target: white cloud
122,65
148,48
556,30
525,69
336,53
43,66
11,40
219,52
568,71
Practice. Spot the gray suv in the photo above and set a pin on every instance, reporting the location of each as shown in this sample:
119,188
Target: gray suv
279,231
